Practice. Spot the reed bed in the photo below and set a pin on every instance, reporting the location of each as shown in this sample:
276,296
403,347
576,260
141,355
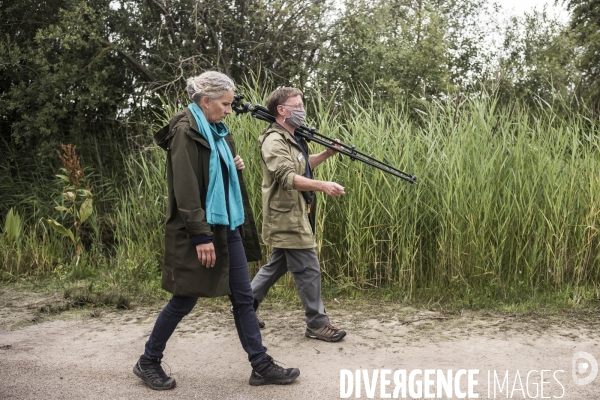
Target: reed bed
507,200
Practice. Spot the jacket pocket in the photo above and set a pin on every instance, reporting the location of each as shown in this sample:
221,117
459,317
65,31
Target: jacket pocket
284,216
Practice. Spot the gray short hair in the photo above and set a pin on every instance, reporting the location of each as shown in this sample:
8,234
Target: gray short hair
280,96
210,83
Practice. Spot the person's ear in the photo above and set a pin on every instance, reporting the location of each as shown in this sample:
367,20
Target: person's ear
280,111
205,101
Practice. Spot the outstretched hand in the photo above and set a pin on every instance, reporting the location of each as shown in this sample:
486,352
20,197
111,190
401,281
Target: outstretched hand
333,189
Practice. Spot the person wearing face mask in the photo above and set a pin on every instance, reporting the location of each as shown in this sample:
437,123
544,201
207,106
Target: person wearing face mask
288,206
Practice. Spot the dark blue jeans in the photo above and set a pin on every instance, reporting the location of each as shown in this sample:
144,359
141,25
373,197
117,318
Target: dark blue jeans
242,301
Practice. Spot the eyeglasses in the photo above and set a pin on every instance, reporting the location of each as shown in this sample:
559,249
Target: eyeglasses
296,106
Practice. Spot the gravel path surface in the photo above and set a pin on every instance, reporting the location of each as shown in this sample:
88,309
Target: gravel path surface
89,354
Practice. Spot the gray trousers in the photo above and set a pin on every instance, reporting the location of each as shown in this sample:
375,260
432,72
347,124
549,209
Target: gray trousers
304,266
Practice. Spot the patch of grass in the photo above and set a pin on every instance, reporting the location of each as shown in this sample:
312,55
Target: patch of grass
453,300
78,297
82,297
385,303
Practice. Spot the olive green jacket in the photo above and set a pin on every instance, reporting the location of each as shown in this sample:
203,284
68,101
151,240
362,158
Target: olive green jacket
187,183
285,218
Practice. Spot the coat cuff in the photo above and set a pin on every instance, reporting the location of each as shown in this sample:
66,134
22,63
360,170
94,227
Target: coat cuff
289,182
200,239
195,222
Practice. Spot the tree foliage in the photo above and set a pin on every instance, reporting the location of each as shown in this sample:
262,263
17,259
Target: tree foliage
63,79
585,26
395,47
404,48
74,69
536,59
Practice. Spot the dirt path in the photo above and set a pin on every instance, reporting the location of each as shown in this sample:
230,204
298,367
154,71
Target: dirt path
89,354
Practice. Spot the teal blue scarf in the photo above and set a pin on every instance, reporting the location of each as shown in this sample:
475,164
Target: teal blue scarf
217,211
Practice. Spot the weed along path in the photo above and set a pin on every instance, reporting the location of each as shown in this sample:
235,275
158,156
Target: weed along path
390,352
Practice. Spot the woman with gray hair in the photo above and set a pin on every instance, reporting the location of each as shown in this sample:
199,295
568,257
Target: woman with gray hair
210,233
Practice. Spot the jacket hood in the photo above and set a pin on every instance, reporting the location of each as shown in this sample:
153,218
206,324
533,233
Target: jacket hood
176,119
275,127
161,138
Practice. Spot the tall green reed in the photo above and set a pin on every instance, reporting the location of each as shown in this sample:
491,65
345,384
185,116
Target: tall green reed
507,199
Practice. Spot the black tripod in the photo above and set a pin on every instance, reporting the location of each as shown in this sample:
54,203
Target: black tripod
311,134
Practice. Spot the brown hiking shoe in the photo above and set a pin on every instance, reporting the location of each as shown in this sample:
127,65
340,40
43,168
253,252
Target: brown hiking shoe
328,333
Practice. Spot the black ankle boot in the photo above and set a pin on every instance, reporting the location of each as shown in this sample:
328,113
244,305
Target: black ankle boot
151,372
269,373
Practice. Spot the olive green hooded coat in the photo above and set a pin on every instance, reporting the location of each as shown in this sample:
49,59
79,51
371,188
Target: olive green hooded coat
188,155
